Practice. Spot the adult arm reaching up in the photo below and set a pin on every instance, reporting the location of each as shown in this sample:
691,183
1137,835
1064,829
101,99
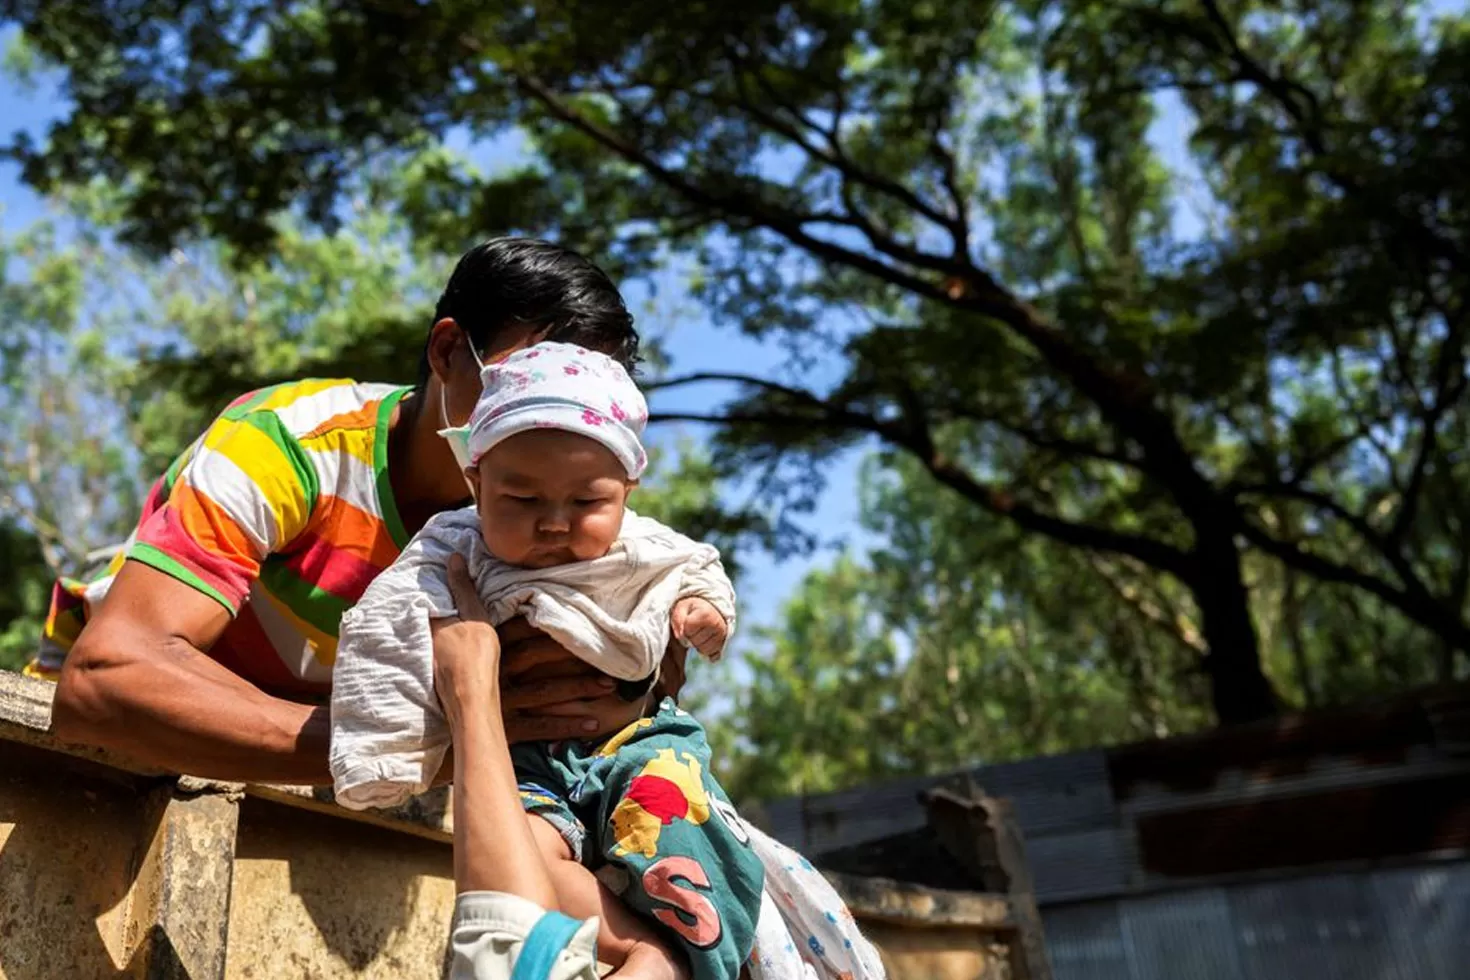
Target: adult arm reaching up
502,882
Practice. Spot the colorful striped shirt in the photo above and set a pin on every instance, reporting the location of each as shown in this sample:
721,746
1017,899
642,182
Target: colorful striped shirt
282,513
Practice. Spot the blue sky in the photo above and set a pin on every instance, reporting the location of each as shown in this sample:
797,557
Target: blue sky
693,343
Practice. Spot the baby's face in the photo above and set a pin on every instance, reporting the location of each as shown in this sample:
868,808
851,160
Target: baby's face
548,497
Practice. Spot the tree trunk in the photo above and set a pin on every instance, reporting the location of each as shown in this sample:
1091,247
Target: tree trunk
1239,689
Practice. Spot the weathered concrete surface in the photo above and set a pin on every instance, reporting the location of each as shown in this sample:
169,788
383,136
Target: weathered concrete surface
69,843
181,896
948,953
317,896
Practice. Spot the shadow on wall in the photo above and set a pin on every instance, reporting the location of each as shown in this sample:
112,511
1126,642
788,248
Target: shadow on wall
315,896
70,847
312,896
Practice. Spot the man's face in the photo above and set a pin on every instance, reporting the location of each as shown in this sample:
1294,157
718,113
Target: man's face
548,497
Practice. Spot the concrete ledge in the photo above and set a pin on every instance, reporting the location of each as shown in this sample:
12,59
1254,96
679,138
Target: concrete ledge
25,717
914,906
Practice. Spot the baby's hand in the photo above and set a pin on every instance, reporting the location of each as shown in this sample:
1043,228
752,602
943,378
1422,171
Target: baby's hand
699,623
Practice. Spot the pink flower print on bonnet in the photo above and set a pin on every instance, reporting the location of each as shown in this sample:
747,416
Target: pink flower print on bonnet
561,386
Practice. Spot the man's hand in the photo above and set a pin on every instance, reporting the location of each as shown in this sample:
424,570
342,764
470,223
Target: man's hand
697,622
549,694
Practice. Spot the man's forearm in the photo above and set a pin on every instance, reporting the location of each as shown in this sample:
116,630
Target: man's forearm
178,710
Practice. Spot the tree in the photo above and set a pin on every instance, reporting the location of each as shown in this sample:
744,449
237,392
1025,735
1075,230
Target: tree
973,188
958,641
64,470
25,583
66,483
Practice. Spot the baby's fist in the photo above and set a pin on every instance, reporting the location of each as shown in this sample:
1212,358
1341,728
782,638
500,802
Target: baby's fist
699,624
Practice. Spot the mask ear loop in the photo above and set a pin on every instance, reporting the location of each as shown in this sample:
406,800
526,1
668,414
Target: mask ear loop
443,390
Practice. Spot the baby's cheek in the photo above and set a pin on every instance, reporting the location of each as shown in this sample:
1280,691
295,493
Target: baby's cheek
601,531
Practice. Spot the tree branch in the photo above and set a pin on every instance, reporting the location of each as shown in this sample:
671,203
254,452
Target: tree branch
1371,536
1284,90
733,205
1304,109
1174,625
1125,401
1421,608
993,499
949,170
703,377
836,156
1449,382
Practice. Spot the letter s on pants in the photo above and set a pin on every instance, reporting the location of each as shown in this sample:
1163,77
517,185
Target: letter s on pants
659,882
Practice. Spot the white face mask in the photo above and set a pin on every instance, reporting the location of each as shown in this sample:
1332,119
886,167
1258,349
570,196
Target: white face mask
458,436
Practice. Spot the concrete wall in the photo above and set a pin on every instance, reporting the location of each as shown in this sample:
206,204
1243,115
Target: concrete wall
107,870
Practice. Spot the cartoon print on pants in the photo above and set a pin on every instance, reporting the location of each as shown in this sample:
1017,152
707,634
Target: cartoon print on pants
665,789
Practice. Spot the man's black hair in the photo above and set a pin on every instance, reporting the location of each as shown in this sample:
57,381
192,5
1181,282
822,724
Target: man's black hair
507,281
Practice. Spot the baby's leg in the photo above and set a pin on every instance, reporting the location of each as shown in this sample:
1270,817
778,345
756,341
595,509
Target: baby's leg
624,940
690,868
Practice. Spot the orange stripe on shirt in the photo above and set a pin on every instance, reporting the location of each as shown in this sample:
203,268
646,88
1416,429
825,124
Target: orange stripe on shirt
354,530
211,526
365,417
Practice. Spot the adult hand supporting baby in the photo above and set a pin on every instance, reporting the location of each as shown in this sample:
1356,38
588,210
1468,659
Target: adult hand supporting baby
546,693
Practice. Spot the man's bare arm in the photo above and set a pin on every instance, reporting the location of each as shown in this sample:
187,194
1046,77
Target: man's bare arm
137,682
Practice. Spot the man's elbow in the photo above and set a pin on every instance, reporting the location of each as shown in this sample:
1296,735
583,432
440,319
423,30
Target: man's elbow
86,707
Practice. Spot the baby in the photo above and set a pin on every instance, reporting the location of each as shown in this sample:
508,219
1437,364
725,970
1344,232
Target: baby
554,449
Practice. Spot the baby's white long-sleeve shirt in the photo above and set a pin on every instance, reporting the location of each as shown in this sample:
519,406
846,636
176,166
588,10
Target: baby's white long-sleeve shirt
388,733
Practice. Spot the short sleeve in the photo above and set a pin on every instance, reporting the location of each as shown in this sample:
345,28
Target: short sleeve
246,491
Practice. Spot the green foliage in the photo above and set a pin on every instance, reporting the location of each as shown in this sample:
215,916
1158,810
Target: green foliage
955,642
64,467
216,322
24,592
1236,383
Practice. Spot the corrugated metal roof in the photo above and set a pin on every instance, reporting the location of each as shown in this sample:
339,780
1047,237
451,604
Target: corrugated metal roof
1182,936
1400,924
1087,864
1319,775
1052,794
1330,926
1085,942
1348,785
1427,912
1055,794
816,824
